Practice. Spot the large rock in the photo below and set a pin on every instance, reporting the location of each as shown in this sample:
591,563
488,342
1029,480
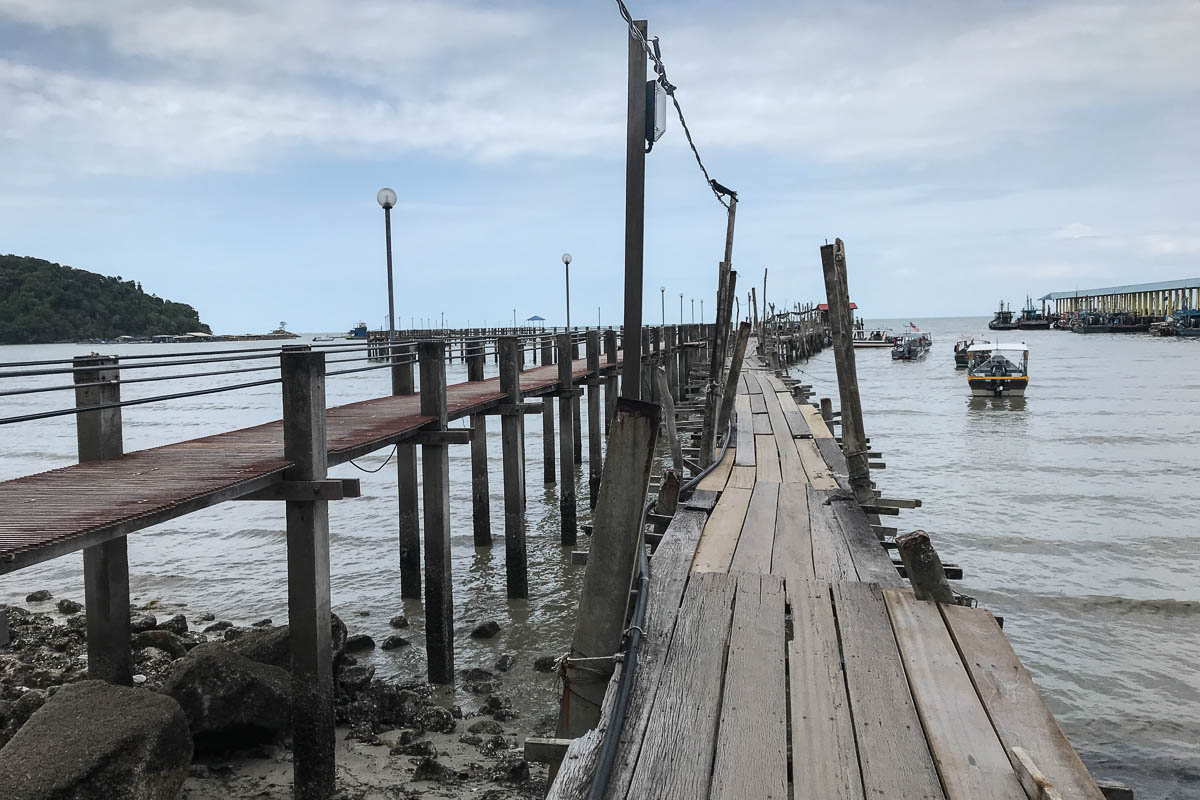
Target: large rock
230,700
96,741
274,645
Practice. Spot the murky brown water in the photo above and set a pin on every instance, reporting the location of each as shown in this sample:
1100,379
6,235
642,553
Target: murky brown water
1075,513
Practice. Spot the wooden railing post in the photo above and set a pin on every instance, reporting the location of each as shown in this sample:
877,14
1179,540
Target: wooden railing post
408,516
566,442
833,265
481,504
106,565
435,480
303,377
594,435
548,473
610,381
515,569
612,563
576,416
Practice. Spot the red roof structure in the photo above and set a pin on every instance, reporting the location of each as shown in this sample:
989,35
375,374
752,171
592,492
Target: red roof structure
825,307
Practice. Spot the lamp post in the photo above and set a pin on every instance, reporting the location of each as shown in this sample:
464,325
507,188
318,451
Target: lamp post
693,311
387,198
566,259
681,308
662,297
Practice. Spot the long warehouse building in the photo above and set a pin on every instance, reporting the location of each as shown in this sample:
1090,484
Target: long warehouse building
1143,299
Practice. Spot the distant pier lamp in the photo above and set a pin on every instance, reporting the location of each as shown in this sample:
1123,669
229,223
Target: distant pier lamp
681,308
566,259
662,299
387,200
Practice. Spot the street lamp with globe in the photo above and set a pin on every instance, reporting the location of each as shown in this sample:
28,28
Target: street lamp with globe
387,199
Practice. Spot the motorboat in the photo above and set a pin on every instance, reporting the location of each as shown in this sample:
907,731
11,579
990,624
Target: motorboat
998,370
879,337
961,360
911,346
359,331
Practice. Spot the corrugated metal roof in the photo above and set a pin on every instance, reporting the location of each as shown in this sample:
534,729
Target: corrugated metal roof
1161,286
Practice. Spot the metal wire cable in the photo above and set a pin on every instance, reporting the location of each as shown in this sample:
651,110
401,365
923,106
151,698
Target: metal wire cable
669,88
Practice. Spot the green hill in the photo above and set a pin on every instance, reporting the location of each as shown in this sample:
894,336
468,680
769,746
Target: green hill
45,302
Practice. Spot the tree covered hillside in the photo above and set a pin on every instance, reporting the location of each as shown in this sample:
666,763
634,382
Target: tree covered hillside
45,302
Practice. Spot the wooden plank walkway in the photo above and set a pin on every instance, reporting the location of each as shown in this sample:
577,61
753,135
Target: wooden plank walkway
786,658
53,513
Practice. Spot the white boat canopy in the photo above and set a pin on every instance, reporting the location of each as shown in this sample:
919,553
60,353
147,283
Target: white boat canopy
985,346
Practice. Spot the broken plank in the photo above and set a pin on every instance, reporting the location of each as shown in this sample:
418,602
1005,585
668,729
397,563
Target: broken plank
751,752
831,555
969,756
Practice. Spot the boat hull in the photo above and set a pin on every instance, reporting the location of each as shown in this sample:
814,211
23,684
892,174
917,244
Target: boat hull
1092,329
874,344
987,386
1039,325
1002,326
1190,332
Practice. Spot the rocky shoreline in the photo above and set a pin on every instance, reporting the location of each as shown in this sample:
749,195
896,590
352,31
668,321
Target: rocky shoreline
395,739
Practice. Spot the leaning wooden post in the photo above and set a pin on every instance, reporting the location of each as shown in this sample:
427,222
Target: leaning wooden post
611,566
833,265
610,380
435,480
105,565
668,407
566,442
594,435
406,482
303,378
735,372
481,503
515,568
924,568
713,400
548,475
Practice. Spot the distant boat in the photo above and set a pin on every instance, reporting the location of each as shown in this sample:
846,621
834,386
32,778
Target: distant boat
961,348
1186,322
912,345
323,338
359,331
998,370
1003,320
879,337
1032,319
1091,322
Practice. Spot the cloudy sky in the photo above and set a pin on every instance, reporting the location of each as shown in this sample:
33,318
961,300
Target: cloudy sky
227,154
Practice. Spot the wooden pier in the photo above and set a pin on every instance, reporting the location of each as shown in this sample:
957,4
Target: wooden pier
783,656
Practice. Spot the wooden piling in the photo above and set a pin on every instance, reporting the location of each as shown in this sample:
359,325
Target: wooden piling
515,568
611,566
304,444
106,565
408,516
593,388
610,381
668,415
481,503
735,371
635,212
924,567
566,443
548,473
435,480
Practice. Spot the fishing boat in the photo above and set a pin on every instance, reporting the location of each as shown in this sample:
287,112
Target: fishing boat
912,345
1091,322
998,370
359,331
1003,320
1031,319
1187,322
879,337
1123,322
323,338
961,348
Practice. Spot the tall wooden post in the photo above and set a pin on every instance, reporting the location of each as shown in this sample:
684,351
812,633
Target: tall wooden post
612,562
833,265
303,374
668,416
548,475
576,417
481,503
635,209
566,443
735,371
408,517
717,371
106,565
515,568
610,380
594,434
435,480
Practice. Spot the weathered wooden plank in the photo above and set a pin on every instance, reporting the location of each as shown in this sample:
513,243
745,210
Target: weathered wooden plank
752,386
688,696
745,432
751,752
721,533
824,757
871,559
575,774
767,459
758,403
816,466
969,756
753,553
791,555
832,560
893,754
715,480
1013,703
742,478
762,424
703,500
669,569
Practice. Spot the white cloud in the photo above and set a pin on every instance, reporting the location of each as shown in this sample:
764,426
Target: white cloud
1076,230
198,86
1171,244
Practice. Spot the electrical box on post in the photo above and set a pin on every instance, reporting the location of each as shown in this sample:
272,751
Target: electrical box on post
656,112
